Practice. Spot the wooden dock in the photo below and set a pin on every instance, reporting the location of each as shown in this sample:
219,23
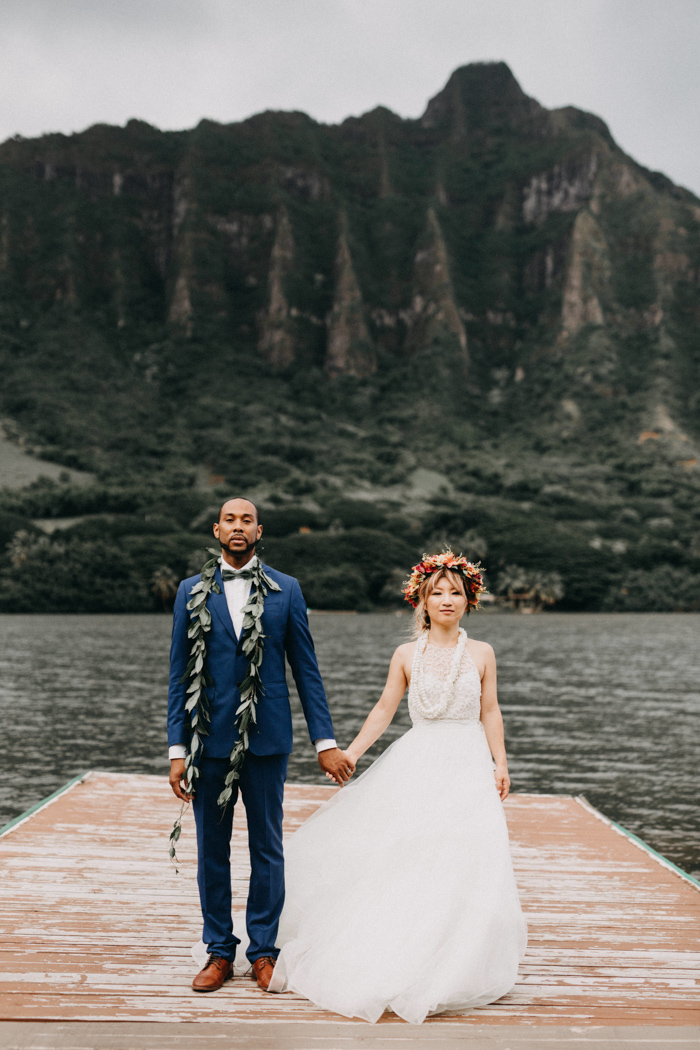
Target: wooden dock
96,926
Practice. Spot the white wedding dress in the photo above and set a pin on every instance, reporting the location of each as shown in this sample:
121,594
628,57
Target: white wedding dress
400,889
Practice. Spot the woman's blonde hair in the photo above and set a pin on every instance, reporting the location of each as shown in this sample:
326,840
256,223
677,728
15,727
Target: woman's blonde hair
421,620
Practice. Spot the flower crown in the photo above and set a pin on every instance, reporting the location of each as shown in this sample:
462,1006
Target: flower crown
470,573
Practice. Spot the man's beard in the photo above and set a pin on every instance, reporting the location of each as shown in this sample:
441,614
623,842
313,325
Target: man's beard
238,552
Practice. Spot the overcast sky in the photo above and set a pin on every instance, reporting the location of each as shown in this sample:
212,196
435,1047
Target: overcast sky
66,64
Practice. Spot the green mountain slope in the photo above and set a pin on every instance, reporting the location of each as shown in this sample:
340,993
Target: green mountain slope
481,326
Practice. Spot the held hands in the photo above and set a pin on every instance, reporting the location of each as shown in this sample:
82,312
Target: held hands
336,764
502,781
177,778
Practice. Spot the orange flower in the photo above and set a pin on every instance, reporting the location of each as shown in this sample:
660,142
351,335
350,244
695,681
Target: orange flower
473,579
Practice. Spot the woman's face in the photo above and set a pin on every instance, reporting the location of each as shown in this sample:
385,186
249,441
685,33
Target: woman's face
447,602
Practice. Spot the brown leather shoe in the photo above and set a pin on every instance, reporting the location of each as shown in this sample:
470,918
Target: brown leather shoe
214,974
262,971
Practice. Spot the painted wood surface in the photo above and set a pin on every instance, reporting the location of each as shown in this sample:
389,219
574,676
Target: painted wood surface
95,925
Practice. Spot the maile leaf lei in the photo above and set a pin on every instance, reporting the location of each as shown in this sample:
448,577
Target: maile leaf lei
200,679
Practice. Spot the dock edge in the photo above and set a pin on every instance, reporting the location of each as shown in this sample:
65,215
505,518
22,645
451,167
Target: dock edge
639,843
23,817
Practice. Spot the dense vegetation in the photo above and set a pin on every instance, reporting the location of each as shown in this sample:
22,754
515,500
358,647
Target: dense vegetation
133,545
480,327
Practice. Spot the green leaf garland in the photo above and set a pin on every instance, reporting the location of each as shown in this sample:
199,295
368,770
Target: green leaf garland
200,679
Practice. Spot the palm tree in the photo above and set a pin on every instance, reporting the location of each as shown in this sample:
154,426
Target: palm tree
19,548
520,586
164,586
472,545
26,546
513,583
545,588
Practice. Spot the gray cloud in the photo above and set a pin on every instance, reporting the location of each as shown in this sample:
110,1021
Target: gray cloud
66,64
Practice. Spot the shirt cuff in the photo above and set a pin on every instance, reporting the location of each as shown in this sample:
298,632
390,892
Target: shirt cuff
324,744
177,751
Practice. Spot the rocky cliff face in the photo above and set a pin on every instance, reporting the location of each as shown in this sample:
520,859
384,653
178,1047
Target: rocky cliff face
139,267
350,350
433,315
277,336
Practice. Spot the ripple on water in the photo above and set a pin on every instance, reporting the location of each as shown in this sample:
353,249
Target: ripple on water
605,705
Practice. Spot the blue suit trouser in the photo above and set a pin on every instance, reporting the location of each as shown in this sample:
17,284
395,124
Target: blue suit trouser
262,790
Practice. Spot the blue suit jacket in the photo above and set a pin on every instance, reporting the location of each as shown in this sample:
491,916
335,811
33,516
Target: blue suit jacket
286,628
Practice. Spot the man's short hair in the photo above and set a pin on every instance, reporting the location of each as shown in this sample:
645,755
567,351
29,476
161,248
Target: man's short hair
231,498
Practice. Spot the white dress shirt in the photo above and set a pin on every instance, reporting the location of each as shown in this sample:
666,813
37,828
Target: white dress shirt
236,593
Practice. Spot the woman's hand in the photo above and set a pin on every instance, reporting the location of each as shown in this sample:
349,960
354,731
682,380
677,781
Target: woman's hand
502,781
336,765
350,759
352,756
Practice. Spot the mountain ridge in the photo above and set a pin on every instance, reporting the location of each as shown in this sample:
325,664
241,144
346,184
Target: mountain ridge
494,292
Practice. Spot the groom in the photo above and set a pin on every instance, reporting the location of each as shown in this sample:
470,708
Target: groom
286,631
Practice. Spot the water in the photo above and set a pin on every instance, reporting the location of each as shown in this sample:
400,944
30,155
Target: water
601,705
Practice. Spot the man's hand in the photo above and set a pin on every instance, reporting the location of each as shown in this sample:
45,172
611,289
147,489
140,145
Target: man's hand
176,778
335,764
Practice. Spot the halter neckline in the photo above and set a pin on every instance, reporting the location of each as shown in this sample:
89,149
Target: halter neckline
432,645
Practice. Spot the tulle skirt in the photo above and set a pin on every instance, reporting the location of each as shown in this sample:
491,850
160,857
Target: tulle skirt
400,889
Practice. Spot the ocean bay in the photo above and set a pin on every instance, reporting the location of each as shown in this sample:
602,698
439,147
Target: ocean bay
604,705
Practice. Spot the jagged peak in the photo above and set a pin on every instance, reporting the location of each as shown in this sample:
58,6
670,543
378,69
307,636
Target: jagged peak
480,93
433,311
380,115
582,120
276,339
288,118
349,350
133,124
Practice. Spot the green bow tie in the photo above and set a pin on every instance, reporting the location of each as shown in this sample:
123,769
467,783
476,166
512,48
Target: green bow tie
236,574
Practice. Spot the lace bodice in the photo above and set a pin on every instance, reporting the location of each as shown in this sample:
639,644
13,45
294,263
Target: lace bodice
445,683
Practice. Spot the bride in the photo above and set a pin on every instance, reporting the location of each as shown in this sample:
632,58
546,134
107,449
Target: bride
400,889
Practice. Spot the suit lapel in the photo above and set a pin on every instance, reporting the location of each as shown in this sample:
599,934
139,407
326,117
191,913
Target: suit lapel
218,606
266,568
272,596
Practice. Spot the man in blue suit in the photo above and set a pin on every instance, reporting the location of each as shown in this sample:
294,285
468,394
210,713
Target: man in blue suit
287,635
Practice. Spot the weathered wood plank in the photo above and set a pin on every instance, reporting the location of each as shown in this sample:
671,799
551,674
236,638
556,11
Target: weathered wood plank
251,1035
95,925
